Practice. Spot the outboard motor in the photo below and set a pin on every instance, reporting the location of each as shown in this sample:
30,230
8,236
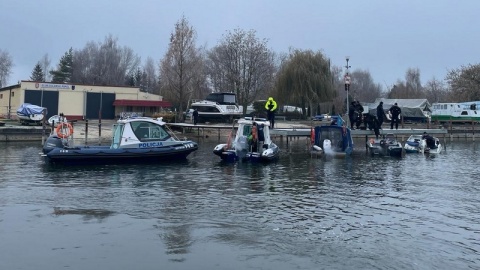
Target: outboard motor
52,142
327,146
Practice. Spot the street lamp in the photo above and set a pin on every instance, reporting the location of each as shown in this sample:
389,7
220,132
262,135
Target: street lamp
347,88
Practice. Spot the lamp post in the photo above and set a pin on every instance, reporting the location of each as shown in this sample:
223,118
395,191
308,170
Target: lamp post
347,88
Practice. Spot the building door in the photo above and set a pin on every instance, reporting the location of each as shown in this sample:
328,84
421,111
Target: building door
100,105
43,98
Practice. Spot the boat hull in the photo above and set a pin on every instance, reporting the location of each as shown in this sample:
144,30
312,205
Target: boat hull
382,147
105,155
54,151
232,156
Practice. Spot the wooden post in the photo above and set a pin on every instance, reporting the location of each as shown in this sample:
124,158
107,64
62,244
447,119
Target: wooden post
43,127
473,130
86,131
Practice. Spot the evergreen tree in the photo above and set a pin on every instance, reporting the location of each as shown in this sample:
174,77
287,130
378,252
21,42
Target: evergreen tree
63,73
37,73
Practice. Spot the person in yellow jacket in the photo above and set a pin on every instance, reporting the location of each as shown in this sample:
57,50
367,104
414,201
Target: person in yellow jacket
271,106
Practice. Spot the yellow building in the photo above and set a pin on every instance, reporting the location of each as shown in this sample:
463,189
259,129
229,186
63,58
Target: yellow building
79,102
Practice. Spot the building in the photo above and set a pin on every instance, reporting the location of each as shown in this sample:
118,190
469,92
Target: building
78,102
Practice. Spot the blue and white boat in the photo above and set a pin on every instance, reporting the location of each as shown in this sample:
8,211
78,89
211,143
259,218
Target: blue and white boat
31,114
252,142
414,144
332,140
134,140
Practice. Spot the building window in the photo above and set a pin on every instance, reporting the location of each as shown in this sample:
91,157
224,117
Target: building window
1,96
13,94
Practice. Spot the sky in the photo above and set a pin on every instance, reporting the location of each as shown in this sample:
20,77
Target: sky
383,37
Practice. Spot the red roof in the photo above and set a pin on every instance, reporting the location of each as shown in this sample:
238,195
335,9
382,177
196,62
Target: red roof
142,103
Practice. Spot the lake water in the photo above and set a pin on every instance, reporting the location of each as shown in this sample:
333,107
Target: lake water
417,212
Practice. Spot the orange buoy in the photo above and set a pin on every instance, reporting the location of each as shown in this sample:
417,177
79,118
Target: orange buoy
64,130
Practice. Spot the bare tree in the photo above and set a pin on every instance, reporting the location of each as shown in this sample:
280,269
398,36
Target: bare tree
181,66
104,63
436,91
6,65
150,81
410,88
465,83
242,64
363,86
413,84
45,65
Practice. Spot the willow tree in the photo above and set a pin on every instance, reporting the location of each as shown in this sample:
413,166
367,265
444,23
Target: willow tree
243,64
305,80
182,65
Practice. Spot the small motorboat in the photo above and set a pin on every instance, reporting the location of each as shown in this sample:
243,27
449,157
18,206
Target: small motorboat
31,114
414,144
331,141
386,146
54,120
430,145
251,142
140,139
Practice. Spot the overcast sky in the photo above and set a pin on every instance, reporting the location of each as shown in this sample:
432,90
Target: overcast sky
384,37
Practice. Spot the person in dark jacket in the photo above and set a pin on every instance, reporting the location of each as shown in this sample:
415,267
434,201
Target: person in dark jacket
195,116
352,114
395,111
358,115
380,114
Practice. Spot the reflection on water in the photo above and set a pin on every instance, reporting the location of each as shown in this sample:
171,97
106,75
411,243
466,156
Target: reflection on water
362,212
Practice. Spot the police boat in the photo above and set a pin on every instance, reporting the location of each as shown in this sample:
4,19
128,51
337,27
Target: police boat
139,139
251,142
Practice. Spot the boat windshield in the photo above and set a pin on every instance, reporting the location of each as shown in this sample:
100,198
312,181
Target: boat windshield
146,131
117,135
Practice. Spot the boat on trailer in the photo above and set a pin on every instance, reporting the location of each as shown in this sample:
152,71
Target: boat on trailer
140,139
31,114
219,107
251,142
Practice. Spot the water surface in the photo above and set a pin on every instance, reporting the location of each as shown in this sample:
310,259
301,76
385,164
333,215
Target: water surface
418,212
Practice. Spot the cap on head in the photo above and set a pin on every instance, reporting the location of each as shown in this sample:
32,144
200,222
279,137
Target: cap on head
270,98
396,103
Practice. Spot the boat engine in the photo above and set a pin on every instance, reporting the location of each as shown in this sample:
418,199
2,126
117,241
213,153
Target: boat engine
52,142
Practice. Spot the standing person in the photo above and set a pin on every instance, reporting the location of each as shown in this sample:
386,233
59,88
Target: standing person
351,114
380,114
358,114
195,116
271,106
395,111
376,126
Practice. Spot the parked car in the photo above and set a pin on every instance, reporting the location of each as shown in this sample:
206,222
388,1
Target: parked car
321,117
54,120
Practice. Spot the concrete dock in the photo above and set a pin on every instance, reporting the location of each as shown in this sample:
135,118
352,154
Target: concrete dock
288,130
